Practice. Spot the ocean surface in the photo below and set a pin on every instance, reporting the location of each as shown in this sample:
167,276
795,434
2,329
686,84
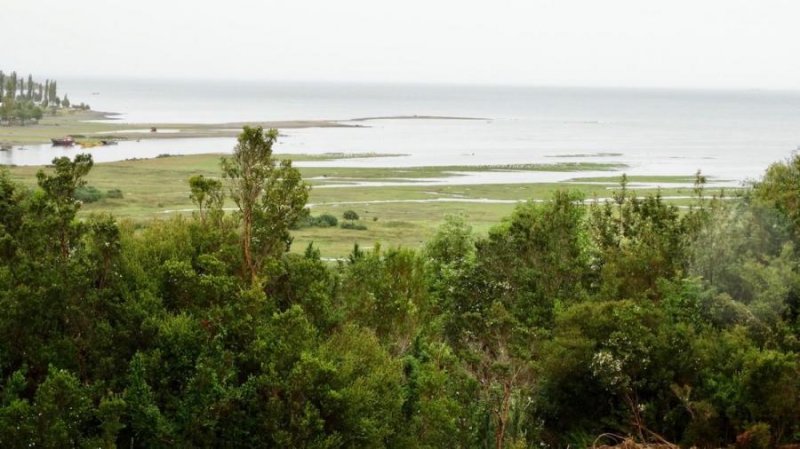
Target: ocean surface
731,136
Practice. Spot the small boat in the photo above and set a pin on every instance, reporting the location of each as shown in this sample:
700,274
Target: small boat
5,147
63,142
153,129
108,142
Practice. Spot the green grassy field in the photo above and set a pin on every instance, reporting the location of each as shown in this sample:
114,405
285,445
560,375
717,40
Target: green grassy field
405,215
665,179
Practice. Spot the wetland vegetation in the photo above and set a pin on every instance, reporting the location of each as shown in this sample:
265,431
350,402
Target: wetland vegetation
397,215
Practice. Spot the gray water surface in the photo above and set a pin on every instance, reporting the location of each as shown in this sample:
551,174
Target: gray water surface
730,135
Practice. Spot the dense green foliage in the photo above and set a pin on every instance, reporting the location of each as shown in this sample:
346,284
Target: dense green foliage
565,322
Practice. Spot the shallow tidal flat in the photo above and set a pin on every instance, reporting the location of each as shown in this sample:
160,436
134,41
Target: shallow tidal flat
398,206
334,176
102,125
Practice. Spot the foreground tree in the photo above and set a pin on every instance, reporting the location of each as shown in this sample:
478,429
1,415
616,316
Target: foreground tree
59,189
563,323
270,197
206,194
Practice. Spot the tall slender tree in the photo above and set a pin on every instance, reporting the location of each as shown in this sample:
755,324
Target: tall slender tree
30,87
52,92
270,197
11,86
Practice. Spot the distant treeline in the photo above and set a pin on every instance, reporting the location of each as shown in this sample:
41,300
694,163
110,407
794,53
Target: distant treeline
24,99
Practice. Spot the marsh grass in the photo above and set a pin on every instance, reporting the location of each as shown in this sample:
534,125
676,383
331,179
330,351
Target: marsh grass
158,188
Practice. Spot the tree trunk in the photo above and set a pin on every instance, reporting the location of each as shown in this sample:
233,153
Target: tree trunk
502,417
636,417
64,244
247,221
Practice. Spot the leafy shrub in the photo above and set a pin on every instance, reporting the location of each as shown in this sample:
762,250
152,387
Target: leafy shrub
325,221
350,215
114,193
321,221
88,194
352,225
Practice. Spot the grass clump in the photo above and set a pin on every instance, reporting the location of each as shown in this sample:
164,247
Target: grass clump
114,193
353,225
399,224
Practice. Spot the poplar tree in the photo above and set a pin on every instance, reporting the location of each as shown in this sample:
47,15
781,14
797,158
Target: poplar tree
52,92
11,87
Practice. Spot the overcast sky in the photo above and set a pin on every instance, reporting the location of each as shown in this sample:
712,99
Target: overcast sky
666,43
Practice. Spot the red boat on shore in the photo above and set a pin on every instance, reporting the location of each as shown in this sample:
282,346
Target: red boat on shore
63,142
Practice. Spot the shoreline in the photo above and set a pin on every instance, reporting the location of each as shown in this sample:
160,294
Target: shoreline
415,117
108,125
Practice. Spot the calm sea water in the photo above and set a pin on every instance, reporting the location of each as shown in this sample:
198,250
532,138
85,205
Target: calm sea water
731,135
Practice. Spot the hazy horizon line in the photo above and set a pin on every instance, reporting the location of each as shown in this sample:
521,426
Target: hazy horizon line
433,83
